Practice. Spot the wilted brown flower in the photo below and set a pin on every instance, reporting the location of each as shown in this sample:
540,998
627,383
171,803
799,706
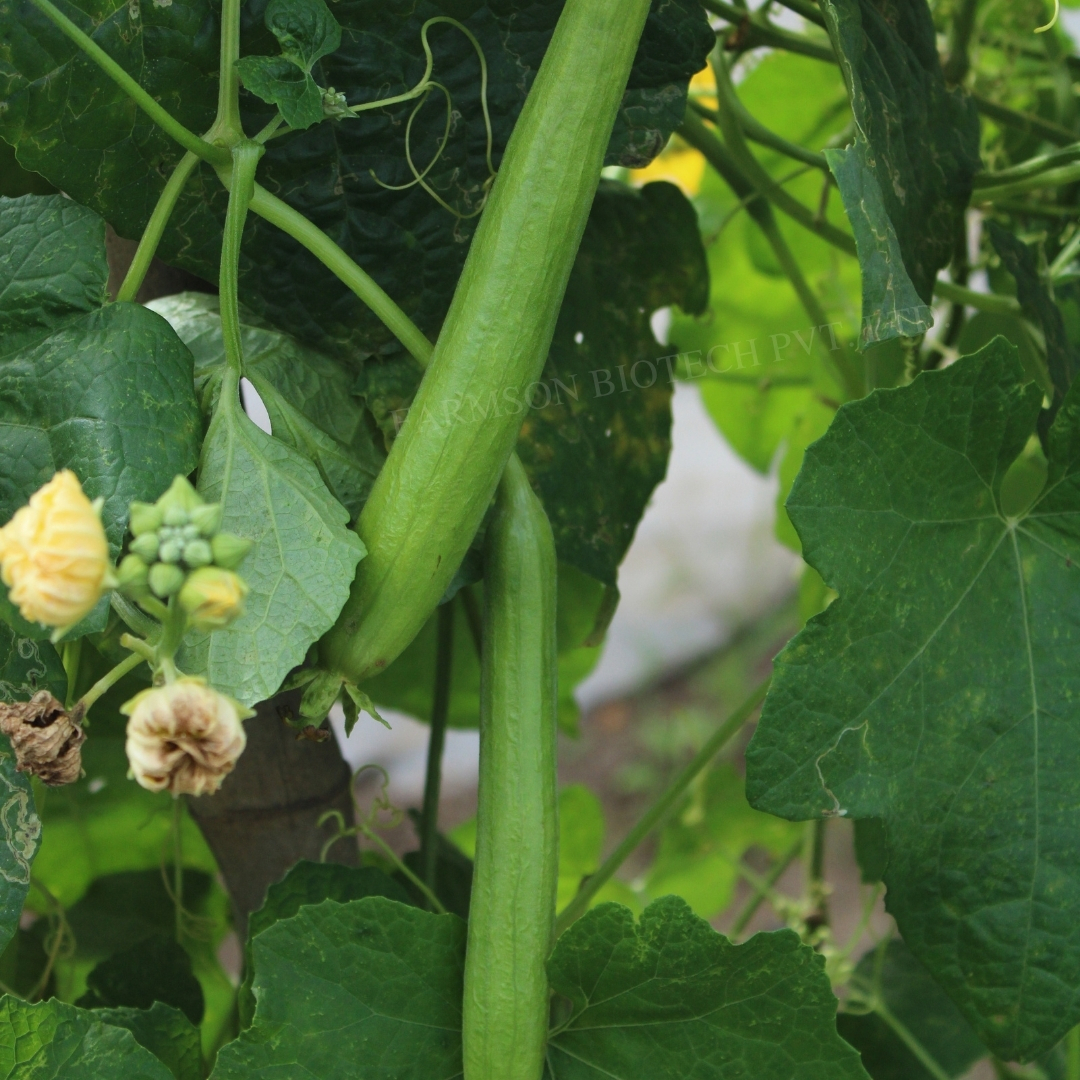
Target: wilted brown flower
183,737
45,737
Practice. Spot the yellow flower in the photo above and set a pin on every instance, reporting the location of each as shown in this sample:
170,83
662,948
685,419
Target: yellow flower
213,597
183,737
53,554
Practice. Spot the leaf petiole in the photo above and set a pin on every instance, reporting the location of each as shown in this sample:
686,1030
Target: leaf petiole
111,678
155,227
216,155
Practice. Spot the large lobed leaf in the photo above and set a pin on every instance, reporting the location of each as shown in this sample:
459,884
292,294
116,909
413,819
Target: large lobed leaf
908,177
938,692
670,999
103,391
72,125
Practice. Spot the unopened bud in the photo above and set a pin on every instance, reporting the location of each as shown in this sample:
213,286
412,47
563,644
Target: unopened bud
145,518
207,518
229,550
176,516
213,597
54,556
165,579
180,496
184,737
171,550
146,546
132,574
198,553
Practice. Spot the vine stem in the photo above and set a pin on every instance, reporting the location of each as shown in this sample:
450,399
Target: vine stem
110,679
440,711
292,222
908,1039
216,155
155,227
763,887
659,809
178,867
227,122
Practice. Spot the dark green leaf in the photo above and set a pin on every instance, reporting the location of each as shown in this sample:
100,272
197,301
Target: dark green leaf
28,665
166,1033
936,692
106,392
670,998
306,394
54,1041
871,849
371,987
596,435
909,993
20,841
110,156
310,883
156,969
280,82
299,570
907,180
1020,261
24,962
306,30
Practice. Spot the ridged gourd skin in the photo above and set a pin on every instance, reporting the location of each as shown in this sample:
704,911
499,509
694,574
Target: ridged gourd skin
441,474
512,912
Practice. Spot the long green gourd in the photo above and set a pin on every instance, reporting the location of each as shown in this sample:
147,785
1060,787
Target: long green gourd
512,913
439,479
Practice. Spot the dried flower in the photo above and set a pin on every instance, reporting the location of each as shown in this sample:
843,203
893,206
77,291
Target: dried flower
183,737
53,554
45,737
213,597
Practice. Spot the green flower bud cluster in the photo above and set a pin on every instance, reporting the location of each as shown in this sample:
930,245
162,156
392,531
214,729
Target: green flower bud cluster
173,538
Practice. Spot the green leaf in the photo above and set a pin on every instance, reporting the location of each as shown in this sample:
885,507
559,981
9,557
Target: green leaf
70,123
106,392
670,998
700,849
307,395
28,665
581,840
1020,261
280,82
21,838
597,429
912,997
907,180
306,30
310,883
165,1032
54,1041
935,693
155,969
301,565
370,985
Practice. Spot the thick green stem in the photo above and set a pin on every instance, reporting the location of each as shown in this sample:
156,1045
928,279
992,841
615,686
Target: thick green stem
227,123
957,64
1046,178
995,302
512,910
241,186
438,481
440,711
216,155
660,808
155,227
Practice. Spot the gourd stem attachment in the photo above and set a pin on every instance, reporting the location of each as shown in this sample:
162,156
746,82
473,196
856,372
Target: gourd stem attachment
440,711
660,808
216,155
155,227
